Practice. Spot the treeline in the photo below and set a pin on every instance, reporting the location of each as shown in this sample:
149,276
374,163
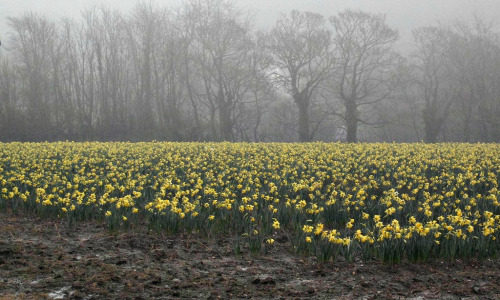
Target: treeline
202,72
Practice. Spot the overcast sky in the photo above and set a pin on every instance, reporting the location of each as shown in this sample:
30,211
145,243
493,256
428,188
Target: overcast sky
404,15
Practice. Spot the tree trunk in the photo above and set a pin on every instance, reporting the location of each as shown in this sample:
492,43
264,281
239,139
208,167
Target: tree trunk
466,130
431,132
432,126
303,106
226,128
351,114
196,132
225,123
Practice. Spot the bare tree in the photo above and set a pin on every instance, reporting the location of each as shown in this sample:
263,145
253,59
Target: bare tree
144,27
252,110
11,116
303,59
474,55
158,47
367,64
33,41
224,51
431,71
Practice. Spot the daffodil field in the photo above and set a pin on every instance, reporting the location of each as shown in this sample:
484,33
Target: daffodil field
384,202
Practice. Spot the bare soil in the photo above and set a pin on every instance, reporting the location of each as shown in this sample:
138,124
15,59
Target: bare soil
45,259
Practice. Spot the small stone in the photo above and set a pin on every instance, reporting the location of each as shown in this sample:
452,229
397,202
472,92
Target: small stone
265,279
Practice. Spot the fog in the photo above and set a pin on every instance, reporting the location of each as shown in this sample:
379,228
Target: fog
318,70
401,14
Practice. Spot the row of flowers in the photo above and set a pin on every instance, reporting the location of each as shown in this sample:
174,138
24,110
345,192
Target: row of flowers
386,201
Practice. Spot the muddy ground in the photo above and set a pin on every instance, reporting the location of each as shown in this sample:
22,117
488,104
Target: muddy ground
44,259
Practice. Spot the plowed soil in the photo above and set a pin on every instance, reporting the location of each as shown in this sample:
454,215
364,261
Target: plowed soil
46,259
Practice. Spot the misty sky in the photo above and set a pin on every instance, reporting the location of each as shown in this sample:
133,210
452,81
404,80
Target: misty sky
404,15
